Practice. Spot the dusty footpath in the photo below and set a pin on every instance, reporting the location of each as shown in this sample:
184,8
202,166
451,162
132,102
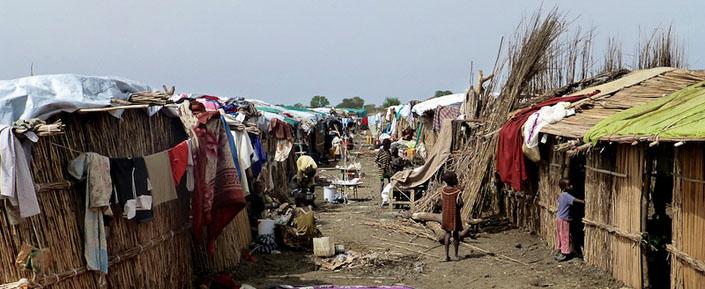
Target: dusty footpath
385,255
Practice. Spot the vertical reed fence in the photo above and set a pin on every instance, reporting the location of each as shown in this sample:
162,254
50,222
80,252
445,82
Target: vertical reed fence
687,249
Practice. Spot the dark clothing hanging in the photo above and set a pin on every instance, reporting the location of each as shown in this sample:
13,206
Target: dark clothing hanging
130,180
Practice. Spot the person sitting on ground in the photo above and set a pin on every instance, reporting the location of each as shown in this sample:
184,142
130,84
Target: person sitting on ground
451,205
383,160
563,219
303,182
302,229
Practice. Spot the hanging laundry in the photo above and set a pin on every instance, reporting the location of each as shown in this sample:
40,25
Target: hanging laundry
16,178
244,152
510,163
443,113
131,188
159,171
218,196
233,149
283,149
260,156
181,163
95,170
280,129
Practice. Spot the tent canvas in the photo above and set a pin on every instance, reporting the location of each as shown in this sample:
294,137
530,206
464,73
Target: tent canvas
446,100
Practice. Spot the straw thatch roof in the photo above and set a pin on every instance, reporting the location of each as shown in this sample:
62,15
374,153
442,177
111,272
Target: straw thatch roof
594,110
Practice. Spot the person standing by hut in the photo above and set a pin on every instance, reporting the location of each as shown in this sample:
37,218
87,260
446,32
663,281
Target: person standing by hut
563,219
383,159
451,204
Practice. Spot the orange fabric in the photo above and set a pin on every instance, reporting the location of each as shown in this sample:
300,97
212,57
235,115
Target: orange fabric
451,210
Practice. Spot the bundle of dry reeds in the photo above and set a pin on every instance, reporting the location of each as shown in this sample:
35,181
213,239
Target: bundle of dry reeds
528,57
149,97
661,48
612,57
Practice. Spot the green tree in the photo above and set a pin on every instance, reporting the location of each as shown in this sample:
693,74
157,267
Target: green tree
319,101
442,93
371,108
391,101
299,105
353,102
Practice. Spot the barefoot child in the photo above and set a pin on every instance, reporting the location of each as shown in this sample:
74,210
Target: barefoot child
451,212
563,219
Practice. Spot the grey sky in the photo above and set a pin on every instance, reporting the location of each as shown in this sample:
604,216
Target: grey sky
286,51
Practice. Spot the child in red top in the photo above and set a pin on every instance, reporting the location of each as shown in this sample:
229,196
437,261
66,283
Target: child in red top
451,204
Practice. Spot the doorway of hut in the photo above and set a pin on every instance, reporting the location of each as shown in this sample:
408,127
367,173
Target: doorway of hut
659,191
576,174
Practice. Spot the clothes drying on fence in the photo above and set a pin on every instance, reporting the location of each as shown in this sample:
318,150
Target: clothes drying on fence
159,170
131,188
16,176
510,158
537,121
95,170
259,157
181,161
218,196
443,113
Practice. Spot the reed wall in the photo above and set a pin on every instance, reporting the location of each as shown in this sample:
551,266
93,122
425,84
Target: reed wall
550,174
687,249
613,212
157,254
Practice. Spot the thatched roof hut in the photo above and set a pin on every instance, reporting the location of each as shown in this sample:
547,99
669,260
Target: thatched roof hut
620,197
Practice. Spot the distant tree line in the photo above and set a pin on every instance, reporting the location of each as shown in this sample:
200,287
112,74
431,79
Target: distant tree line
318,101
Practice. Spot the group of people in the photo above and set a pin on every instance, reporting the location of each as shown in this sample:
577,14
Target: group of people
389,162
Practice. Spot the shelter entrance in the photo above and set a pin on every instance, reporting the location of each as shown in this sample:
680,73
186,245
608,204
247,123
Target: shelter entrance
658,188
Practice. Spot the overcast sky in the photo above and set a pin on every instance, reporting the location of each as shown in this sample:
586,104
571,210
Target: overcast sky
286,51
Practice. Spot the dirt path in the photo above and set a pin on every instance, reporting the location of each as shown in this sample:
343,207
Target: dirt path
398,262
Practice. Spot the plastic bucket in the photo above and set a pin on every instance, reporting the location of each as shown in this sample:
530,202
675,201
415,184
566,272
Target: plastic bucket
329,193
265,226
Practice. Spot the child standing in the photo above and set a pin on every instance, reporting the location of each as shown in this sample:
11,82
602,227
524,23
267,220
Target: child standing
563,219
383,159
451,204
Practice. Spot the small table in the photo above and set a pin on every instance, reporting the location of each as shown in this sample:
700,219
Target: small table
346,186
410,196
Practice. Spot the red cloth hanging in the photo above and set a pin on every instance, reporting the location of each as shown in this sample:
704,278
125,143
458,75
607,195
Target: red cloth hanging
510,162
178,157
218,195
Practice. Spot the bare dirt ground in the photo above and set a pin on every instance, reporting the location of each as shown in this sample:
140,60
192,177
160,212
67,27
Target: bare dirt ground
533,267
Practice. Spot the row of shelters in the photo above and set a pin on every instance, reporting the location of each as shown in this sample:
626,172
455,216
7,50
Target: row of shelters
106,183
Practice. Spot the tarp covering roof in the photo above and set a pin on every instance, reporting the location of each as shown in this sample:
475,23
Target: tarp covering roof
44,95
433,103
357,111
679,116
626,93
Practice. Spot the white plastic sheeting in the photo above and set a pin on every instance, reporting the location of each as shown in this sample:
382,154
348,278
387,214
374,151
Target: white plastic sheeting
45,95
446,100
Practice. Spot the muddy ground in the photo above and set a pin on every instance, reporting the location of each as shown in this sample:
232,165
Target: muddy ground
398,262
